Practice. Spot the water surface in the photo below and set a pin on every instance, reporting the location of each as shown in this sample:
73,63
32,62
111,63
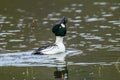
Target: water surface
93,30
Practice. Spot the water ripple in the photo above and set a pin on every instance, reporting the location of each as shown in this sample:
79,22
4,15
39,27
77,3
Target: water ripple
95,19
89,36
27,59
96,63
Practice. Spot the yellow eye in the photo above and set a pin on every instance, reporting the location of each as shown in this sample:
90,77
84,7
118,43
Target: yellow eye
60,27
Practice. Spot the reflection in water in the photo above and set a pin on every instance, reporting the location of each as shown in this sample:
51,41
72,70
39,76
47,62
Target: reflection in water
117,65
26,59
34,67
94,28
61,72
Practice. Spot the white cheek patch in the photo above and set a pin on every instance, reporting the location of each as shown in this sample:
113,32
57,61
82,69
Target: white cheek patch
63,25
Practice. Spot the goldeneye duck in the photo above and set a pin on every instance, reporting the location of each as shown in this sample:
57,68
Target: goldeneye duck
59,29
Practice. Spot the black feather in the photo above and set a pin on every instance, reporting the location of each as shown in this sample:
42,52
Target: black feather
38,51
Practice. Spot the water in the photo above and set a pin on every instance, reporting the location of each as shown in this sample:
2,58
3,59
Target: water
28,59
92,40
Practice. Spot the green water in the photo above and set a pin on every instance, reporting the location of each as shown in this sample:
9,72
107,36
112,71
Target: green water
93,27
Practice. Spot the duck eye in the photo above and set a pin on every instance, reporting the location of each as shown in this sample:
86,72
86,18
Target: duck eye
60,27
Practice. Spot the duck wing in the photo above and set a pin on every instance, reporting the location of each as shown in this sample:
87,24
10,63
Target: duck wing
41,50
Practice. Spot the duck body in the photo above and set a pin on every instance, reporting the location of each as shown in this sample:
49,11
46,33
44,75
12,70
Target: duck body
59,30
58,47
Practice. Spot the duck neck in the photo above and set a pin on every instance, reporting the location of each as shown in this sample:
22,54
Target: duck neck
59,40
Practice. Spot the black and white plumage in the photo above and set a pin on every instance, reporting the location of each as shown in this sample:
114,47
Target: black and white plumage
59,30
44,49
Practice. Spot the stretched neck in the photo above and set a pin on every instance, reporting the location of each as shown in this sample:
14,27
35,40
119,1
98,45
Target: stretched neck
59,40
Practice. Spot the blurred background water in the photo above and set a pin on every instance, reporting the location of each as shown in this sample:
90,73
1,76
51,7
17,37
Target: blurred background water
93,28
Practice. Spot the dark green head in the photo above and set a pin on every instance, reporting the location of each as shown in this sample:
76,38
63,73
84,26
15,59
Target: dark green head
59,29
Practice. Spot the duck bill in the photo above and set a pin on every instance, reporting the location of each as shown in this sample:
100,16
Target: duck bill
63,22
63,25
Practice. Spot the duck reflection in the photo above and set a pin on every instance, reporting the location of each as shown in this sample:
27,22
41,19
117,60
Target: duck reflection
61,72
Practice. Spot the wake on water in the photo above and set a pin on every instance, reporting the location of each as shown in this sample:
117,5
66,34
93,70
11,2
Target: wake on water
28,59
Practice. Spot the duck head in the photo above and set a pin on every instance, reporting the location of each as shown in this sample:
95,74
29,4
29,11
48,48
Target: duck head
59,29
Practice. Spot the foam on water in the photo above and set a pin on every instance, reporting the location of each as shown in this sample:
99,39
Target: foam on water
27,59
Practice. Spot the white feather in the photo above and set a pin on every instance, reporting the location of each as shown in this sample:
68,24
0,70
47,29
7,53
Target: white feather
59,48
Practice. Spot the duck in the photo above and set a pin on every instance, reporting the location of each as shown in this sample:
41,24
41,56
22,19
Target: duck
59,30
